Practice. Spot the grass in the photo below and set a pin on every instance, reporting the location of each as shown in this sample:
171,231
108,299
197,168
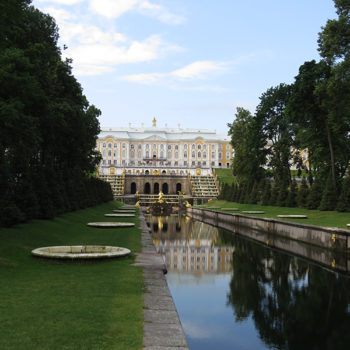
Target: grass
315,217
225,176
63,305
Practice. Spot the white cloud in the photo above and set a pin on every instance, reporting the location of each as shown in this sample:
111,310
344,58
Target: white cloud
160,13
63,2
197,69
105,56
112,8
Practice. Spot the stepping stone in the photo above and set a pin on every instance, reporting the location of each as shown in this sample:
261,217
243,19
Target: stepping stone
348,225
230,209
293,216
110,224
120,215
253,212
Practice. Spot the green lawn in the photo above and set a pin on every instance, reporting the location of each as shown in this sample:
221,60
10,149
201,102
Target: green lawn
225,176
315,217
50,304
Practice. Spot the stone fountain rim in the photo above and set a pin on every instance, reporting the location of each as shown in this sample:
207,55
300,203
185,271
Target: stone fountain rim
113,252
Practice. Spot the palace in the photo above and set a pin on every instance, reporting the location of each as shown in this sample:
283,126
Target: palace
162,151
172,153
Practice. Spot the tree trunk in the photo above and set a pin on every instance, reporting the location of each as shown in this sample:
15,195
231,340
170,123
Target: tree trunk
331,151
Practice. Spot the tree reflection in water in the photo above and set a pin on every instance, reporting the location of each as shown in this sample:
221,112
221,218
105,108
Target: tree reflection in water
293,304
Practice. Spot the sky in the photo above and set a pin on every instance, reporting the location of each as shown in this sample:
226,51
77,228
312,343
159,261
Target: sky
185,62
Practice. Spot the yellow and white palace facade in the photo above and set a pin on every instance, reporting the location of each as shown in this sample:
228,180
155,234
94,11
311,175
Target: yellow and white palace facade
162,151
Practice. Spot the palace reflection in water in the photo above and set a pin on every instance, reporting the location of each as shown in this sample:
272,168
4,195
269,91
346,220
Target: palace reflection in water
233,293
189,245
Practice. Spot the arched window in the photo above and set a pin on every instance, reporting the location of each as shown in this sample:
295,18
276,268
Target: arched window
147,186
204,146
178,187
147,146
193,155
109,145
124,153
176,147
161,154
115,145
193,146
161,146
132,146
185,146
104,153
133,188
147,154
124,145
109,153
185,154
156,188
169,146
199,146
139,146
204,155
165,188
154,146
132,154
199,154
104,145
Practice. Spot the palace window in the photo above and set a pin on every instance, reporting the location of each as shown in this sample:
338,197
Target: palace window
139,146
115,145
185,154
199,147
227,155
220,155
204,146
114,153
154,146
123,153
124,145
199,164
132,146
123,162
154,154
132,154
185,146
193,155
213,154
204,155
104,162
161,154
104,145
228,146
176,147
109,162
147,146
176,163
169,146
193,163
104,153
147,154
213,147
185,162
109,145
193,146
115,162
109,153
199,154
161,146
212,163
204,163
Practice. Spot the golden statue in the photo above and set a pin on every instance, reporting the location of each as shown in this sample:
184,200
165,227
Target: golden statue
154,121
137,204
188,205
160,197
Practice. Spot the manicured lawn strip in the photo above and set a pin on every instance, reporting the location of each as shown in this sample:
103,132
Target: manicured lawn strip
315,217
225,176
51,304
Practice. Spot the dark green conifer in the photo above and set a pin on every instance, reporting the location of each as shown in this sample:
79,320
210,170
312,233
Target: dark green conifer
265,199
292,195
344,199
329,196
315,196
303,194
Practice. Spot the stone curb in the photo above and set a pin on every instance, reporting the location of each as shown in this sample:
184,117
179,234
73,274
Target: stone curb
162,327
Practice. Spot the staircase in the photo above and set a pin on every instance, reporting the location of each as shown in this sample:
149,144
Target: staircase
147,199
117,183
204,186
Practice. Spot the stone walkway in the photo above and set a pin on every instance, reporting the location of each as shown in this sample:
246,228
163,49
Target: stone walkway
162,327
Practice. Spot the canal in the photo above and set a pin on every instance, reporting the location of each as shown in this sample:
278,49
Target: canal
235,293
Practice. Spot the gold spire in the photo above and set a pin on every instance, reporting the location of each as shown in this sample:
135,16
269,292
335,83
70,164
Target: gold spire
154,121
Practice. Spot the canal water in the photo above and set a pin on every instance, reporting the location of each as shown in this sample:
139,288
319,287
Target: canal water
234,293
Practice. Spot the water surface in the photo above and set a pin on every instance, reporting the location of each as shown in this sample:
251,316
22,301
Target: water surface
233,293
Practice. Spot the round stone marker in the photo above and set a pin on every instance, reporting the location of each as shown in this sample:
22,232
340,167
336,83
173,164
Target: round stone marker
110,224
230,209
124,215
253,212
81,252
293,216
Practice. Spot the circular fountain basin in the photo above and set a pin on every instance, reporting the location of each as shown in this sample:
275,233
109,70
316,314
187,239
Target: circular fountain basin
124,215
81,252
293,216
253,212
111,224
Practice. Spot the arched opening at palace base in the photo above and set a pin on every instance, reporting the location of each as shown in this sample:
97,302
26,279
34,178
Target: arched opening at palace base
165,188
156,188
178,187
133,188
147,188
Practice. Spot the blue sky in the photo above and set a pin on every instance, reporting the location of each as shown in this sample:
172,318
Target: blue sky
187,62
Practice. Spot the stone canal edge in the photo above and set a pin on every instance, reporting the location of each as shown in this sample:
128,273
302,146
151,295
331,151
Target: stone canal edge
162,327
